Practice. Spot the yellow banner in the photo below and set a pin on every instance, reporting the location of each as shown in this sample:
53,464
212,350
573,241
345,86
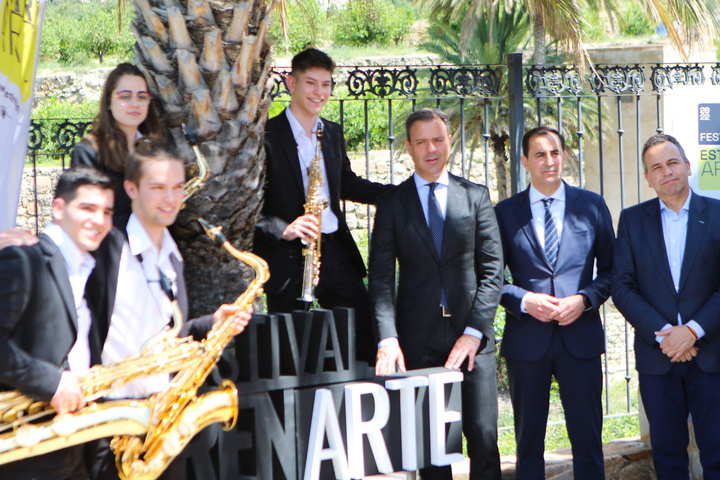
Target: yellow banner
19,24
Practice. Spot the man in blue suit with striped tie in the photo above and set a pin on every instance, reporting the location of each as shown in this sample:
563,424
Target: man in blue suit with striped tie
558,246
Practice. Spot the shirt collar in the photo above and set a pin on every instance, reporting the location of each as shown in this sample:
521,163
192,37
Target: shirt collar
420,182
686,205
536,196
297,129
73,256
140,242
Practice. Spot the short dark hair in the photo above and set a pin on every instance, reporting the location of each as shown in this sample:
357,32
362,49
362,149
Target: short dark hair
425,115
536,132
73,178
661,138
147,150
311,58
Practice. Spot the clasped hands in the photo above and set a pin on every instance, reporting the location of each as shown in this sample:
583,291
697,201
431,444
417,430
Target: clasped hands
547,308
678,343
391,356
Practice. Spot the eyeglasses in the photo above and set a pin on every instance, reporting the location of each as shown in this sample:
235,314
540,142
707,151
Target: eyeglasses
126,96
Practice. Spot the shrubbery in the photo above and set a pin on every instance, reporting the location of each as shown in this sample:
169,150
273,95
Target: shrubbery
74,33
373,22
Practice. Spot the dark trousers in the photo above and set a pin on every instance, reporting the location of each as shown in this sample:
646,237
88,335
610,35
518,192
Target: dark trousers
668,399
580,382
479,406
66,464
340,285
104,467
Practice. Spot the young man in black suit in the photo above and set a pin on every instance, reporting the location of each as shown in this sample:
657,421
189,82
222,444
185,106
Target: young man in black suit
290,146
45,321
442,231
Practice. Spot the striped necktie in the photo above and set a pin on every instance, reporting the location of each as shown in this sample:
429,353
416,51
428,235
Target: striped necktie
552,240
436,224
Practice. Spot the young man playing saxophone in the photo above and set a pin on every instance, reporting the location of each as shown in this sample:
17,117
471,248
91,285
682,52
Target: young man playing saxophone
291,146
139,272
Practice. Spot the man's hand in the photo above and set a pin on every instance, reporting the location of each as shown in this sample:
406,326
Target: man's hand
388,357
240,320
305,228
17,237
569,309
541,306
685,357
465,347
68,396
678,341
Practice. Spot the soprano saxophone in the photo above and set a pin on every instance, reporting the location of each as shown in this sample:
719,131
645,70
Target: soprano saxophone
315,203
177,413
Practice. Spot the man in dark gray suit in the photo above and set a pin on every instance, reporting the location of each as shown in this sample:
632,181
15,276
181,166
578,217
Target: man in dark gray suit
442,231
44,324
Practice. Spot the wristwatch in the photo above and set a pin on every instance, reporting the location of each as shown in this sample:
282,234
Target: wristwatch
586,301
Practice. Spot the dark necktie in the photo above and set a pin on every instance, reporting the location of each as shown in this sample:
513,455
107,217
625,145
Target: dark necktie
552,240
436,224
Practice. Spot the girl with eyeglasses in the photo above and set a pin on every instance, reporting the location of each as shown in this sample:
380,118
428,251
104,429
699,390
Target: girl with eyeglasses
126,114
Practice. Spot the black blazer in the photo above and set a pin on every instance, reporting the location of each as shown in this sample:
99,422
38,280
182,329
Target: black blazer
85,154
284,198
470,269
38,319
643,288
587,240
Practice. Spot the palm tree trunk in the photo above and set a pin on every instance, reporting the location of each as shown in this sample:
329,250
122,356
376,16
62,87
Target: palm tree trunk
539,39
500,161
208,64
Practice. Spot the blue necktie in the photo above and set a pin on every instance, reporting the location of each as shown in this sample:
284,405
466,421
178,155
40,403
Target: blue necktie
436,224
552,240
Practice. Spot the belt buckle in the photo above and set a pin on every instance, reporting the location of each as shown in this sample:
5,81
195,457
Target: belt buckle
444,311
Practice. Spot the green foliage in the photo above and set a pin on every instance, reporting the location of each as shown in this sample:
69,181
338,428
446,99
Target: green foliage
53,111
379,22
636,22
307,22
73,33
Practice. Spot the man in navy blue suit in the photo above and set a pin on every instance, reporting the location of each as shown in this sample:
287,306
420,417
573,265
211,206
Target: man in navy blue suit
558,245
666,282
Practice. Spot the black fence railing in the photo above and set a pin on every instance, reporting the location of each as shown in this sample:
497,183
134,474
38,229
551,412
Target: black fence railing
598,110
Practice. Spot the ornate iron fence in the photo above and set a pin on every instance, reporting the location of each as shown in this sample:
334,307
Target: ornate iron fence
490,106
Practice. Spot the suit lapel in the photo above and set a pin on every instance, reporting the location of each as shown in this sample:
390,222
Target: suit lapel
524,217
287,140
415,213
569,224
332,165
58,270
696,229
656,241
455,202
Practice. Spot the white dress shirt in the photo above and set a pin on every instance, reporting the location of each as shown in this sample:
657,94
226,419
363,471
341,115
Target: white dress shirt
674,227
79,265
441,194
306,148
142,309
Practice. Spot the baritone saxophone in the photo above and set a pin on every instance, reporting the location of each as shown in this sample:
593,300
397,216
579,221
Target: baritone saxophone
315,203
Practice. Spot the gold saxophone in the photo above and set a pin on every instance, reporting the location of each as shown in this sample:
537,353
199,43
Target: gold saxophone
177,413
29,427
168,420
315,203
195,183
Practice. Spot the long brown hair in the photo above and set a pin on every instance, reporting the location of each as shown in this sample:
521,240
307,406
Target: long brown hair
110,140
